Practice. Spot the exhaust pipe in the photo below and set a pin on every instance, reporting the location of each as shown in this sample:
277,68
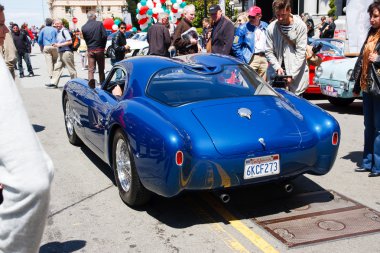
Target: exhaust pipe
225,198
288,188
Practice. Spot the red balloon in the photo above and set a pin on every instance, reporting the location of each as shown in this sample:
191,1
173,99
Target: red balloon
75,20
129,27
174,10
143,10
155,15
162,1
108,23
143,21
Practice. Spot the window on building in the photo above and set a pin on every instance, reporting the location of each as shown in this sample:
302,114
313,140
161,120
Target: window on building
109,8
67,9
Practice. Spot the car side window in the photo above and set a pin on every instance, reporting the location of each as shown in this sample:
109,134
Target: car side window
116,81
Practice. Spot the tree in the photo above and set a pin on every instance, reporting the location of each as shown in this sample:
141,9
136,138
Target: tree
332,11
132,6
199,10
65,23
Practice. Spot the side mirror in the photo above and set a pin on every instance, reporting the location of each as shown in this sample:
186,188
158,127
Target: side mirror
92,83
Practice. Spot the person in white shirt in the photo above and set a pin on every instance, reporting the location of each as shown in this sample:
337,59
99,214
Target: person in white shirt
26,173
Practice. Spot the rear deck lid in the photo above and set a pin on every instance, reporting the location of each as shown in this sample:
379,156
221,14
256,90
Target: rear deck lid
266,123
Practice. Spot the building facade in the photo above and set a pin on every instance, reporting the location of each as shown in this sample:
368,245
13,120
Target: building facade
75,11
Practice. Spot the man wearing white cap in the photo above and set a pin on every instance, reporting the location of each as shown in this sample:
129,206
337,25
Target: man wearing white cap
250,40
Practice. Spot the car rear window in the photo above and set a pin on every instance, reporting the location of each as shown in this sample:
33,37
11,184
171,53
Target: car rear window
178,86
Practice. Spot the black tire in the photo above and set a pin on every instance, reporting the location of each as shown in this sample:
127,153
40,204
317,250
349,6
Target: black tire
69,122
340,101
131,191
135,52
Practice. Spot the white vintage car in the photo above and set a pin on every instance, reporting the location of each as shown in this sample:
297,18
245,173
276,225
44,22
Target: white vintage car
136,43
333,77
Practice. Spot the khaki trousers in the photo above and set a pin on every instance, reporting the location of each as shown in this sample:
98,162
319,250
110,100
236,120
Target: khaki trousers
65,59
260,65
51,56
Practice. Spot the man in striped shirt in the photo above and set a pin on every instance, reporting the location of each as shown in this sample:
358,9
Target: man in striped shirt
286,46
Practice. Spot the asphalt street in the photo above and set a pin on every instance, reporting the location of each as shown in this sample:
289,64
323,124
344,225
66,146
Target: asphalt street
87,215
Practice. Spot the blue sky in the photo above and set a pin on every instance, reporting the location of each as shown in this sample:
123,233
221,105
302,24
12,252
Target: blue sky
30,11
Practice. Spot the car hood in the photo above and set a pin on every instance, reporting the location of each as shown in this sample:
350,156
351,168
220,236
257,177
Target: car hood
271,126
337,69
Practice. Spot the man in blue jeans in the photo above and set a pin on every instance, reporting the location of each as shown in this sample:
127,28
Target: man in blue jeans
22,44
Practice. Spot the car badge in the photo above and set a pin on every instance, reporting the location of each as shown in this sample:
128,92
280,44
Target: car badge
245,113
262,141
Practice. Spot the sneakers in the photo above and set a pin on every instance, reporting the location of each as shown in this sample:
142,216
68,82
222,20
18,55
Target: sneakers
360,169
22,76
31,74
51,86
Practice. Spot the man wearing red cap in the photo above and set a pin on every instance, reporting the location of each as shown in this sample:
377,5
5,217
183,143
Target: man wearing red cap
250,40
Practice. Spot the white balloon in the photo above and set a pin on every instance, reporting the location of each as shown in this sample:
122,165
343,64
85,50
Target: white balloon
174,19
179,2
142,16
149,3
159,5
139,6
175,6
143,26
180,11
160,10
155,10
138,16
177,15
114,27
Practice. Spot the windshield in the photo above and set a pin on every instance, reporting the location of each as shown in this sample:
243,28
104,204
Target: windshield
139,36
181,85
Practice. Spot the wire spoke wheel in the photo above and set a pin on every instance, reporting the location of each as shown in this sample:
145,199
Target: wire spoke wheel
123,165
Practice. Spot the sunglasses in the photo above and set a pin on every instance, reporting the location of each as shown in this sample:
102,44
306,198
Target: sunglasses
122,27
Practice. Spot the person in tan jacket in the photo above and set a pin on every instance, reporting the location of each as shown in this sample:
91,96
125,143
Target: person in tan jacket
7,47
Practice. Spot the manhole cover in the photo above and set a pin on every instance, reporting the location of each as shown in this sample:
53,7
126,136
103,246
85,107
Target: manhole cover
317,217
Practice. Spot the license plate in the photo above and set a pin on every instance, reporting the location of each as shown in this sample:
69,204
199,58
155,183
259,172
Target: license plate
262,166
329,91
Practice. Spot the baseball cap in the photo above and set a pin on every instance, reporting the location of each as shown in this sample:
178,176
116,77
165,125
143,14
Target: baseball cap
254,10
214,8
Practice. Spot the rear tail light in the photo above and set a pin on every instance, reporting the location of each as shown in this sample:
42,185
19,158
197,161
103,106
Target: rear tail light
335,138
179,158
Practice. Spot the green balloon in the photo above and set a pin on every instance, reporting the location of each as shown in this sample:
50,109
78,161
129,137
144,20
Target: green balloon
117,21
137,11
149,12
134,29
183,4
143,2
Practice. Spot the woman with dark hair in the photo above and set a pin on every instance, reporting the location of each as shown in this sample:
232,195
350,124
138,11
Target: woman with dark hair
369,54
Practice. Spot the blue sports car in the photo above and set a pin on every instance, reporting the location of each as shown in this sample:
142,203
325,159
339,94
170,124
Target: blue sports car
196,122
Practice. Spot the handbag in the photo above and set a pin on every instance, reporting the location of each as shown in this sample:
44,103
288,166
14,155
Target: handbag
373,81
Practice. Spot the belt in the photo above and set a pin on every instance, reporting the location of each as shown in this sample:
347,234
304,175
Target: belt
260,54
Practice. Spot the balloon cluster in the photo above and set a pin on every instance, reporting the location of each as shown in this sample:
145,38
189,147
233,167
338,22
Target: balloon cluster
147,11
110,24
